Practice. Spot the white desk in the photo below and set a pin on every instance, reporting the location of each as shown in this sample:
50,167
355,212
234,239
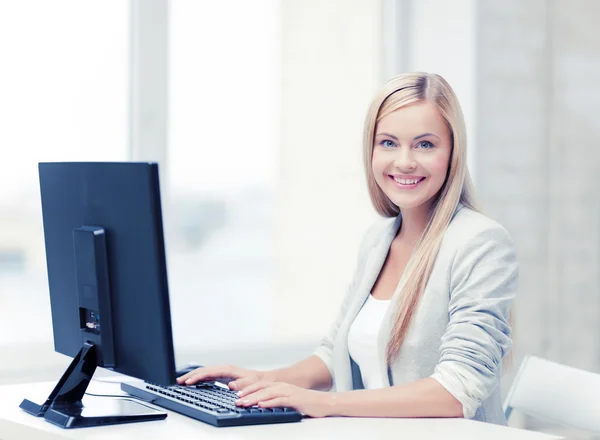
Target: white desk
178,427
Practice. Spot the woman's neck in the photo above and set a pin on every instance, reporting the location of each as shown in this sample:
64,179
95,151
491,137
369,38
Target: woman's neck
414,222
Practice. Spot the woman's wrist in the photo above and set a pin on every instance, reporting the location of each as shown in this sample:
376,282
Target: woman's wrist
330,402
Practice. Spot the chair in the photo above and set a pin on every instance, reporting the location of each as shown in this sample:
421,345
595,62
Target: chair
564,395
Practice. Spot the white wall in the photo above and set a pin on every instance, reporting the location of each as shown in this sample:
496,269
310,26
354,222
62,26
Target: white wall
539,164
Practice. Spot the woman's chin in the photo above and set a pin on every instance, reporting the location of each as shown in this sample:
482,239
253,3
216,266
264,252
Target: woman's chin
407,204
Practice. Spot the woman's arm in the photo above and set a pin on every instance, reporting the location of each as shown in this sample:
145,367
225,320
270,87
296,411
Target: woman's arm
423,398
311,373
483,285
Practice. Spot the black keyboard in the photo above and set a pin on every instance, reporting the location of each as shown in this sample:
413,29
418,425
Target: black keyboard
209,403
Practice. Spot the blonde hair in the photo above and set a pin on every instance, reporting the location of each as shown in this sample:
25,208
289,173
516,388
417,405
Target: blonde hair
398,92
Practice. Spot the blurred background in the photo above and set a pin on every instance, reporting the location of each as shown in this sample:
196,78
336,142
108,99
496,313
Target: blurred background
254,111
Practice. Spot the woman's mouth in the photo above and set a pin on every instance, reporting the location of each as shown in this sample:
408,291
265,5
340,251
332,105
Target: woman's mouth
406,183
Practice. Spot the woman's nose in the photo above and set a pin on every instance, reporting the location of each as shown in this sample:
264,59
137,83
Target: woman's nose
404,159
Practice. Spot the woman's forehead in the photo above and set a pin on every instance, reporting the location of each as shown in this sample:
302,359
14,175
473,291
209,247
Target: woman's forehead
417,118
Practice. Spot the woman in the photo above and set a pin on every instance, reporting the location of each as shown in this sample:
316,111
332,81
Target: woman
424,325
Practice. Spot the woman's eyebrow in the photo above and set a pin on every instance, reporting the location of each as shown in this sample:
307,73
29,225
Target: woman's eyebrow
386,134
425,134
414,139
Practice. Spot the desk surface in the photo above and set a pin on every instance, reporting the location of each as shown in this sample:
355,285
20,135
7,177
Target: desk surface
181,427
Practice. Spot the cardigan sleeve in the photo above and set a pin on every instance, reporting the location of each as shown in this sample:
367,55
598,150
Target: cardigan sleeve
483,283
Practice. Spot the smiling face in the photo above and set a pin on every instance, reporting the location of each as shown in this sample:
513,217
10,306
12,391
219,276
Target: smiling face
411,152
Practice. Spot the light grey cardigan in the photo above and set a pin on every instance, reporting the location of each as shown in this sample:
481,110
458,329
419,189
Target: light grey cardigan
460,331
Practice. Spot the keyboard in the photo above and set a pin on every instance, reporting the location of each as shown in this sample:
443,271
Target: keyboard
209,403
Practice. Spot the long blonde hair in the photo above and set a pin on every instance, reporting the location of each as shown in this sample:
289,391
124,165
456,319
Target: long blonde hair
398,92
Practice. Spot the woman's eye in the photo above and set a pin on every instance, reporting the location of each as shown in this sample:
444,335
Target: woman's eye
388,144
425,145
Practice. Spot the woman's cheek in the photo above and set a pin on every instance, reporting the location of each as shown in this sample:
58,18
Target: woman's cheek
437,166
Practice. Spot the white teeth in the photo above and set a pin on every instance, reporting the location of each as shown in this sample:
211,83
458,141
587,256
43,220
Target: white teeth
406,181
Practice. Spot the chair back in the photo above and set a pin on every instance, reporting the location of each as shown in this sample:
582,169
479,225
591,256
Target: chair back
550,391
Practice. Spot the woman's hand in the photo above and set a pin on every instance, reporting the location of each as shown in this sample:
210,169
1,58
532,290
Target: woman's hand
237,377
268,394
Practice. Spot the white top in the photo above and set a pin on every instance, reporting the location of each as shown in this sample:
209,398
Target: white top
362,341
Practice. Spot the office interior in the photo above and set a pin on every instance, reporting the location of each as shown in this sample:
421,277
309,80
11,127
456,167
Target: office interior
254,112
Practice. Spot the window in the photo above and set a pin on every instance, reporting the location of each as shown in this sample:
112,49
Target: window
64,97
222,162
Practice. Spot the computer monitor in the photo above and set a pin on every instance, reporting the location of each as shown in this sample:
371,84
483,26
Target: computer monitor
107,278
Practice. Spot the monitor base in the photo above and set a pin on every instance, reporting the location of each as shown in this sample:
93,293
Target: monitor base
64,406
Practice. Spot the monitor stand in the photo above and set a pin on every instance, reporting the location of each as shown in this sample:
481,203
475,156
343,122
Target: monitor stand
64,406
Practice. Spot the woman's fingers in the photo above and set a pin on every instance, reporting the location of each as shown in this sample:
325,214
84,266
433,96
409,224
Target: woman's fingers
253,387
261,391
243,382
274,403
209,373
